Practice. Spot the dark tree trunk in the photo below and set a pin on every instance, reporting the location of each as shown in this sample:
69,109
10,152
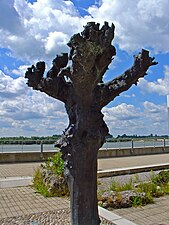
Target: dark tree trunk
83,139
83,188
84,95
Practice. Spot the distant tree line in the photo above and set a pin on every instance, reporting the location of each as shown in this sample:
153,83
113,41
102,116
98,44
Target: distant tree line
29,140
142,136
125,137
51,139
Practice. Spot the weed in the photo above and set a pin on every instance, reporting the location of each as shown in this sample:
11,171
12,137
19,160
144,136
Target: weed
115,186
39,184
49,180
136,178
151,188
118,198
165,188
136,201
162,177
55,164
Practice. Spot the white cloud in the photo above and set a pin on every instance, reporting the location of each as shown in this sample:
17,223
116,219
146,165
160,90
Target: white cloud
20,71
122,111
54,40
156,117
28,111
11,88
139,23
44,27
128,119
160,86
156,114
122,119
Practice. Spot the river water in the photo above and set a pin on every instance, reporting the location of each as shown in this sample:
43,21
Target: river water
50,147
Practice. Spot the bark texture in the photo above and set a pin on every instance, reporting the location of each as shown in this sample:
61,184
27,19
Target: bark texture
81,88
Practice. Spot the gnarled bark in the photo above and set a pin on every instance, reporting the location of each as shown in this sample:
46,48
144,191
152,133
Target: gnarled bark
84,95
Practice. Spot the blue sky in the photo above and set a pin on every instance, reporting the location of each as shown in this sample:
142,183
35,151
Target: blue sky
38,30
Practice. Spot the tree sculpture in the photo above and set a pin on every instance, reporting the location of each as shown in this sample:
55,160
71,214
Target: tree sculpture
84,94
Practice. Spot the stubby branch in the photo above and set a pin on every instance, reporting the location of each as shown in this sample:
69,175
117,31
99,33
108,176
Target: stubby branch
91,53
108,91
53,85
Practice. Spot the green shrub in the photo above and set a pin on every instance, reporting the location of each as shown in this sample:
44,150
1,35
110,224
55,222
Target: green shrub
140,201
55,164
136,201
150,188
115,186
39,184
48,179
161,178
165,188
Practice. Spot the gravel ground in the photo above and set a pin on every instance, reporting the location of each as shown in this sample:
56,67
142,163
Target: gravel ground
60,217
104,183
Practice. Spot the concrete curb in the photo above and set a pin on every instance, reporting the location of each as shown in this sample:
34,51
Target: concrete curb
112,217
10,182
131,170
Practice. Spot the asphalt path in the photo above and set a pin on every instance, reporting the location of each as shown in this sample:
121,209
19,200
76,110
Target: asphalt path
132,161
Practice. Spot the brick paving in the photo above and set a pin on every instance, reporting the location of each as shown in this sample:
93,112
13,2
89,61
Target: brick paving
23,206
152,214
24,200
17,169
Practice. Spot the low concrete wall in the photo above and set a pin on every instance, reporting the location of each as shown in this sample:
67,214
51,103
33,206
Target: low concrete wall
107,153
103,153
24,157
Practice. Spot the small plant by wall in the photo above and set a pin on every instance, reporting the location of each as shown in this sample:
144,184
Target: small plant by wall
48,179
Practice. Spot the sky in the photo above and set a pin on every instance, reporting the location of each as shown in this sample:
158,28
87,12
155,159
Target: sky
34,30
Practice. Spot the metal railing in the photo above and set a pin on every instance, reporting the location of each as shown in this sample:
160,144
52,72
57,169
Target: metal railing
48,145
119,144
27,146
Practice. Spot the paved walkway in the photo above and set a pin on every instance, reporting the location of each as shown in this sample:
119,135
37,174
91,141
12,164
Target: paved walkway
131,161
17,169
152,214
24,201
